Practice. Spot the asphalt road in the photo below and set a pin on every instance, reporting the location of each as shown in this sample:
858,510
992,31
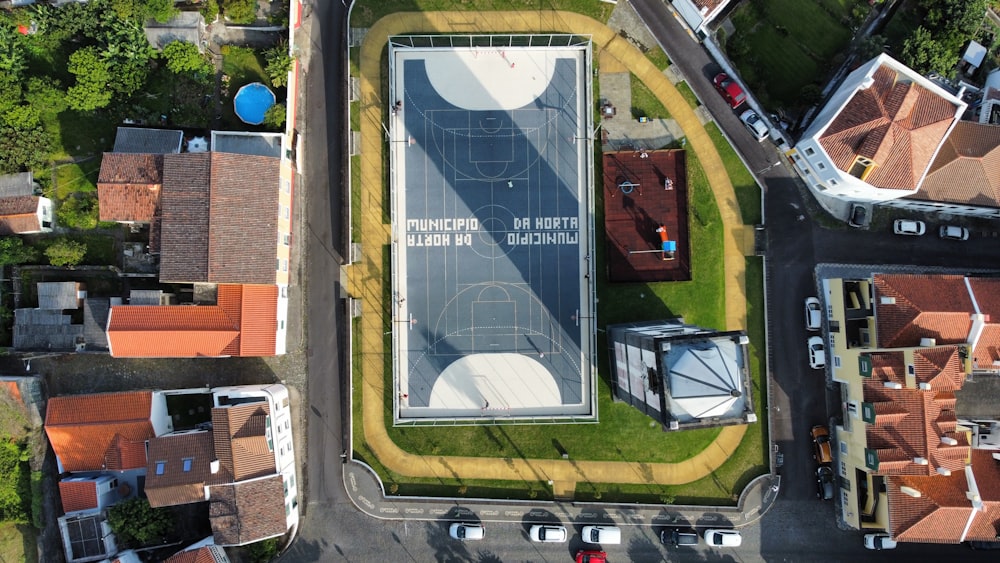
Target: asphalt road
798,528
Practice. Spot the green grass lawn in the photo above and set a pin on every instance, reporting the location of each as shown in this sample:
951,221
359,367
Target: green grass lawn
367,12
78,177
700,301
242,65
688,94
781,46
747,190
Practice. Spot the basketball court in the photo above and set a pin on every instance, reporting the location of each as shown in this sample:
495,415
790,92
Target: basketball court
645,207
492,229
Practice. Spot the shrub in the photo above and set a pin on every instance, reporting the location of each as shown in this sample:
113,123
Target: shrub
65,252
240,11
13,252
183,57
279,64
210,10
262,551
137,524
275,116
78,212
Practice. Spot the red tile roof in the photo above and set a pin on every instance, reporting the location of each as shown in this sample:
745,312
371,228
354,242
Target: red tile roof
220,218
137,168
100,431
19,215
909,423
77,495
926,306
896,124
242,323
939,515
206,554
248,511
986,526
175,485
241,445
967,168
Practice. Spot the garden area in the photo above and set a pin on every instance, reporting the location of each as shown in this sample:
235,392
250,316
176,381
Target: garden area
700,301
785,50
22,450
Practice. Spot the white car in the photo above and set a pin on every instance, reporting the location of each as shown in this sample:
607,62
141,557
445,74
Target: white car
817,352
754,124
879,541
723,538
906,227
814,313
466,532
953,232
601,534
548,534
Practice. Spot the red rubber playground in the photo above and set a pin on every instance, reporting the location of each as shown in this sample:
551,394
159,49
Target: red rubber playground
645,216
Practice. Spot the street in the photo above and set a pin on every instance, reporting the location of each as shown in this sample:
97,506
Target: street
797,528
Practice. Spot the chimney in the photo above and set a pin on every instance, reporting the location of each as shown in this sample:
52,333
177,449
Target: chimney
928,342
944,471
214,466
925,386
920,460
888,300
910,491
949,441
893,384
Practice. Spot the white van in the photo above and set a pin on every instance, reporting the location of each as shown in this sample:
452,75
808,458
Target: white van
601,534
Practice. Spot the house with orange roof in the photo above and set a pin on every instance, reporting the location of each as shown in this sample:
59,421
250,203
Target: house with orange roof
21,211
204,551
128,187
238,457
902,346
877,137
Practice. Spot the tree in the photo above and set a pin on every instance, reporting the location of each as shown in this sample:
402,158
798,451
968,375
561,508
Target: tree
124,48
65,252
275,116
160,10
78,212
137,524
210,10
14,252
279,64
240,11
92,75
924,54
24,144
182,57
262,551
870,47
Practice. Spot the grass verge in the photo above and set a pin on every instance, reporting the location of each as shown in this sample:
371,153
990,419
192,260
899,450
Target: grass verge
747,190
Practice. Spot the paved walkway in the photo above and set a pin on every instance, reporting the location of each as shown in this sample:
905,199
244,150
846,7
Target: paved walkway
366,276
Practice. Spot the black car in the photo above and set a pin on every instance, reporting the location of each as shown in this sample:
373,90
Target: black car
824,482
677,537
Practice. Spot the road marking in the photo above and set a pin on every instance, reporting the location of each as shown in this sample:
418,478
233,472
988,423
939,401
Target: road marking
437,511
414,511
512,513
366,502
388,509
490,512
354,483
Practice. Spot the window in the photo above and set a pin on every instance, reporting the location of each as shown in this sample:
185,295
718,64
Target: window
284,265
821,166
187,464
161,466
810,152
836,361
843,469
277,264
287,425
843,448
291,480
286,186
287,239
833,182
281,325
852,408
285,212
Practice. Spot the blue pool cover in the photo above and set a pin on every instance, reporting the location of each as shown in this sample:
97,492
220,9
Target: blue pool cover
252,101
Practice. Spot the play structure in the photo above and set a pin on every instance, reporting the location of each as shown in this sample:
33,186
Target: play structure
668,247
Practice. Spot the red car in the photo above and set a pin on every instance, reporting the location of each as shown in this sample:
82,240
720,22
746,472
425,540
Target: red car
591,557
729,89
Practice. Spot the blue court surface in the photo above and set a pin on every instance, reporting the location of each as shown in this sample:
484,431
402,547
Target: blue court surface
492,233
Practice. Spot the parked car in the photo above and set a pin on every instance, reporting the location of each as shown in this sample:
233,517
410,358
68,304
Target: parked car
548,533
754,124
729,89
859,216
879,541
817,352
821,445
677,537
814,313
824,482
591,556
601,534
953,232
723,538
466,532
907,227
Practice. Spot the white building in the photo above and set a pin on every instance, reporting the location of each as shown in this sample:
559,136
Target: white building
878,135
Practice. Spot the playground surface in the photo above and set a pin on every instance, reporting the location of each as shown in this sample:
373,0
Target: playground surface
645,202
491,230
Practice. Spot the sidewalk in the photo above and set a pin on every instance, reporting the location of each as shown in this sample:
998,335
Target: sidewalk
365,277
